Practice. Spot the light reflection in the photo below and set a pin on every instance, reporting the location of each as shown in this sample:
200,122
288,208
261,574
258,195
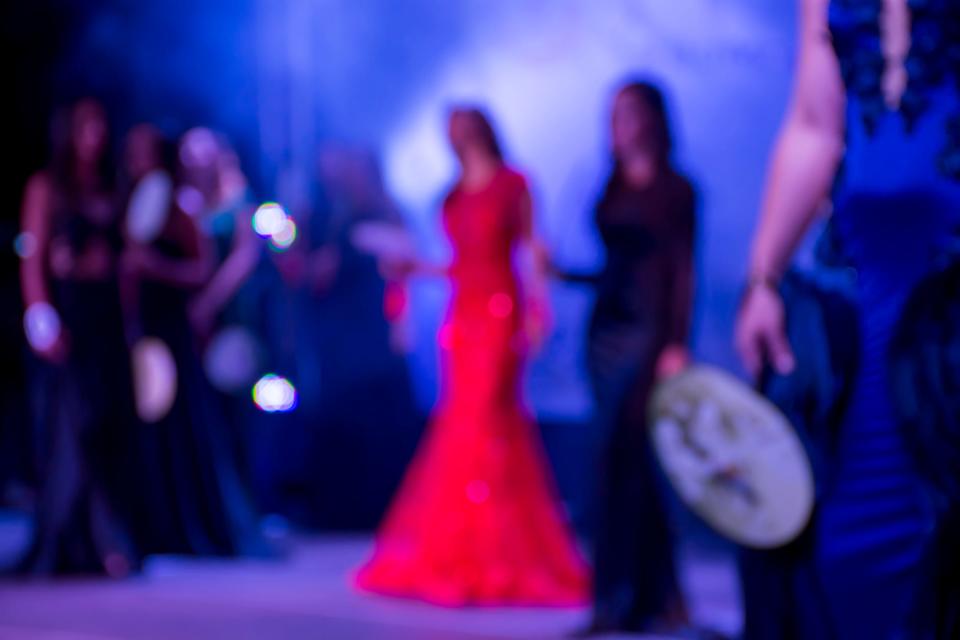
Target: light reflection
272,222
274,394
269,219
285,237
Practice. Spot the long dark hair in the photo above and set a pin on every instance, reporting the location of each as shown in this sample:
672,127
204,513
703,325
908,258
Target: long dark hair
485,129
653,97
63,153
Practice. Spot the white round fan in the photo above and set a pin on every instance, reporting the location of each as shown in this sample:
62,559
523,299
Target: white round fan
154,379
149,207
733,457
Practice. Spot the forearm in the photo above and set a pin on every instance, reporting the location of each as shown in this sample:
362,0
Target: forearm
35,224
802,172
231,275
185,273
681,310
33,280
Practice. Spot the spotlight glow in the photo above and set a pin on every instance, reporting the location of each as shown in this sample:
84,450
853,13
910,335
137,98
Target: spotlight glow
285,237
274,394
269,220
41,323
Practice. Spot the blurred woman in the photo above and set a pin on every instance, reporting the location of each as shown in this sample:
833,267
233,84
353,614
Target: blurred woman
638,333
232,312
342,342
877,93
74,325
192,497
477,520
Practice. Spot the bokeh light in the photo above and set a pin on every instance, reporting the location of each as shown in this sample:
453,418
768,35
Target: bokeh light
285,237
274,394
269,219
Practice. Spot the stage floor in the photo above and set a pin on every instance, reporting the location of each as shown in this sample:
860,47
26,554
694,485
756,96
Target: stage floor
306,595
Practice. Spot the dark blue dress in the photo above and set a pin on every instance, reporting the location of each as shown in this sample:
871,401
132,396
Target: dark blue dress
897,204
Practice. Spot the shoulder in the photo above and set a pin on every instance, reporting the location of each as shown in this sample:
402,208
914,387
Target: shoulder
683,191
39,183
513,179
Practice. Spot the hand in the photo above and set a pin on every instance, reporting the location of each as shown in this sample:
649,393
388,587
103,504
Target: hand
761,332
57,352
45,332
537,325
399,268
672,360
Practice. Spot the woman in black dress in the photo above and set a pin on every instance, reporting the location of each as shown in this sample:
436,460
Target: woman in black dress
638,333
74,324
193,500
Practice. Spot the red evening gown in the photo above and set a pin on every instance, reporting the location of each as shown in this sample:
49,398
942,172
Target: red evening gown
476,520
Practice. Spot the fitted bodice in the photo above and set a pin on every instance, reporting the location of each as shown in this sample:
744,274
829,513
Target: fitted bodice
897,196
484,227
647,233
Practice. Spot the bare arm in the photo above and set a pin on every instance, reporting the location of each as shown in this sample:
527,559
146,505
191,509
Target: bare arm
802,169
35,221
536,265
189,272
809,148
235,270
34,277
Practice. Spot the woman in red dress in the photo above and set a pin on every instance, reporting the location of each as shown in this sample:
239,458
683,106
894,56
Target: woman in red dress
477,521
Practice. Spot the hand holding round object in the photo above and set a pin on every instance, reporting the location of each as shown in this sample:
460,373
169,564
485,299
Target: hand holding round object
149,207
385,240
733,458
154,379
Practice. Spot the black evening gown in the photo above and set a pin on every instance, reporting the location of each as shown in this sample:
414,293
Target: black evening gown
82,520
194,500
643,304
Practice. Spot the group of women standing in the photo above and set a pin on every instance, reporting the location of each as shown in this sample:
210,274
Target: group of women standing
116,488
875,115
476,520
